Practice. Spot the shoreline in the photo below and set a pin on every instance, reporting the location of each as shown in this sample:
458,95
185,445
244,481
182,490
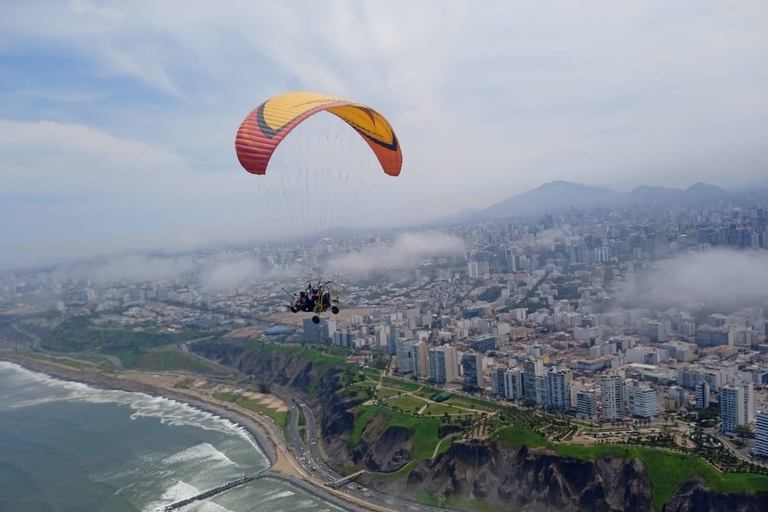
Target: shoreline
280,469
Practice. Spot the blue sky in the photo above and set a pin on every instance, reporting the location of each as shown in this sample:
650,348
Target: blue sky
117,119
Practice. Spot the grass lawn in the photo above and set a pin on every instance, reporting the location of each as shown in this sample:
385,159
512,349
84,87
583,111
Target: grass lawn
281,418
101,361
426,392
363,415
440,409
387,392
445,445
353,393
406,403
400,384
514,437
322,361
63,360
425,430
226,397
667,470
371,373
473,403
162,360
365,384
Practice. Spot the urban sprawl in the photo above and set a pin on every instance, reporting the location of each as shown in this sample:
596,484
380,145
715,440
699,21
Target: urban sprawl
548,312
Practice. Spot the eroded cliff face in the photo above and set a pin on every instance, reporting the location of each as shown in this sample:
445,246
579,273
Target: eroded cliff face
522,479
318,387
289,371
693,497
532,480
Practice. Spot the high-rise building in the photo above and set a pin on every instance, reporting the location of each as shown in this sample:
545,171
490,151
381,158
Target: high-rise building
404,356
478,269
761,434
642,401
420,357
541,390
702,395
319,333
443,364
557,385
498,385
472,364
612,388
586,406
531,370
394,333
749,403
731,407
513,384
483,343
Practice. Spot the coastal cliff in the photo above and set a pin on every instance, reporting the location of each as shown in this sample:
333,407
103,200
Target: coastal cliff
524,479
694,496
529,480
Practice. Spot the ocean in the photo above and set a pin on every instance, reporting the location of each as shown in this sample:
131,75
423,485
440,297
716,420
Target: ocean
70,447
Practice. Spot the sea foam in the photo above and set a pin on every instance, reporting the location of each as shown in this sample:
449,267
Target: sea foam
167,411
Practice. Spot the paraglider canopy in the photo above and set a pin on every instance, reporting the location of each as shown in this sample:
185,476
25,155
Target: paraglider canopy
273,120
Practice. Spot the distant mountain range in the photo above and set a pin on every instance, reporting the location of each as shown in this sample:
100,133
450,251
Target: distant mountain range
563,195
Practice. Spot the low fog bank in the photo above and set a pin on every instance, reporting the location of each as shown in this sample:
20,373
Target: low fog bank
224,271
407,249
724,278
212,273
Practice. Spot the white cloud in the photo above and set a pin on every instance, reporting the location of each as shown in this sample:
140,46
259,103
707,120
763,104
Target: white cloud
138,268
49,157
488,100
407,249
722,277
230,274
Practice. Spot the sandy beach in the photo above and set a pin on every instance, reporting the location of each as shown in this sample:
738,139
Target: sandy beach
267,434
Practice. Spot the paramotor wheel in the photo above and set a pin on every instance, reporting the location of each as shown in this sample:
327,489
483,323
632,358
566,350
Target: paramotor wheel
316,319
335,310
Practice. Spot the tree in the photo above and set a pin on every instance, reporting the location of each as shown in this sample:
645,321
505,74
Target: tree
743,431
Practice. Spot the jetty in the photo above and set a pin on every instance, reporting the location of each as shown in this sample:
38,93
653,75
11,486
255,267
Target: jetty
215,491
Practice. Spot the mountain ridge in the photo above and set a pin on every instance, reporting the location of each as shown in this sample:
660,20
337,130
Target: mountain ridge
563,195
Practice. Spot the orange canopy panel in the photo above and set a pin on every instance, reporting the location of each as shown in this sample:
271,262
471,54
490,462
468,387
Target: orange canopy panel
270,122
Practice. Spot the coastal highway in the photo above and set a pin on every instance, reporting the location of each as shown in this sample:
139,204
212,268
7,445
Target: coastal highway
312,461
308,455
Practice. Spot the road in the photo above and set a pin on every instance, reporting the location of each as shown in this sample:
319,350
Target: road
312,461
183,348
308,455
310,458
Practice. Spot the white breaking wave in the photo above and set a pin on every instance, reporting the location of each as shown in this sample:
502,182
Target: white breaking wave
205,451
278,495
180,491
207,506
167,411
176,492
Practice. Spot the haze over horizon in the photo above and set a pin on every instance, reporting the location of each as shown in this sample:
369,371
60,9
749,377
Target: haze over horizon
117,122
